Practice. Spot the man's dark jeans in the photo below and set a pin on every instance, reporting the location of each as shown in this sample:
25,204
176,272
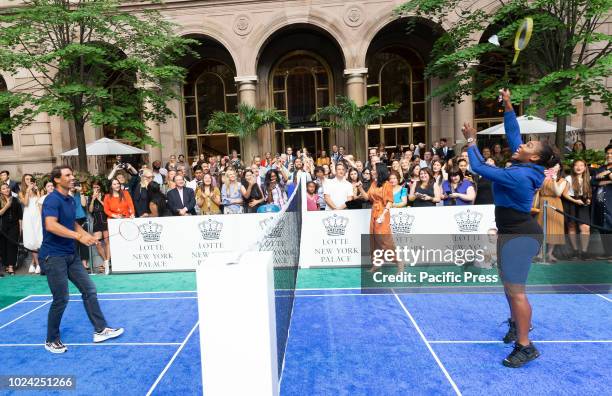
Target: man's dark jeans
59,269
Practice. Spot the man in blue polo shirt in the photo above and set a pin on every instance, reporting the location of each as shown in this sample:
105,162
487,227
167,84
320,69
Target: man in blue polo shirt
61,261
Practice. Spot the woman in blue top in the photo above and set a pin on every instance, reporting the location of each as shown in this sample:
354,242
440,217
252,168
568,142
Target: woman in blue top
519,233
457,190
400,194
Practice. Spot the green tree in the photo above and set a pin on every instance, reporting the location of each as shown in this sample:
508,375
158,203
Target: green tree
568,57
347,115
244,123
90,62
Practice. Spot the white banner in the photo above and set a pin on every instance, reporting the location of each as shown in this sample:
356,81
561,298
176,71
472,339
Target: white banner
333,238
329,238
180,243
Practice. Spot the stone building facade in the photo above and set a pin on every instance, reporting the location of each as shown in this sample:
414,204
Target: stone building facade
296,56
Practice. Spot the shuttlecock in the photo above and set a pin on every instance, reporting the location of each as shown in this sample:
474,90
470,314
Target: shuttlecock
494,40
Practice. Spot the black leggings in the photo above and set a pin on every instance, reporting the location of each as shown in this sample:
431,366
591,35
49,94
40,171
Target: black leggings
8,247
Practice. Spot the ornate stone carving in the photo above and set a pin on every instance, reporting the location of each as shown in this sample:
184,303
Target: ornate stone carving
242,25
353,15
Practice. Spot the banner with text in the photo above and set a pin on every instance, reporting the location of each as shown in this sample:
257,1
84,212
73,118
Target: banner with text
183,242
333,238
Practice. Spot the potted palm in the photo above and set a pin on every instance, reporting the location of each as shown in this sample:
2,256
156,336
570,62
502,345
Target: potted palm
347,115
244,124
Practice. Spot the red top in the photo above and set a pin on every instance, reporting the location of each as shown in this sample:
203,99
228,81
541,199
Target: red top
116,208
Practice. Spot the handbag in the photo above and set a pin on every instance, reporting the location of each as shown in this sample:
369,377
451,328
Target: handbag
535,206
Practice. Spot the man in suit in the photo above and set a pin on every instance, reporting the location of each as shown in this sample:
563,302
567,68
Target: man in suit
444,151
5,179
181,200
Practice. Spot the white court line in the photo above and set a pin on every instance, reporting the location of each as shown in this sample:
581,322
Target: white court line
462,287
15,303
25,314
180,348
536,341
99,344
600,295
604,297
114,293
433,353
124,299
340,295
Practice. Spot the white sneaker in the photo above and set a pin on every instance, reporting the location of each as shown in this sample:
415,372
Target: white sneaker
37,270
107,334
106,267
31,269
56,347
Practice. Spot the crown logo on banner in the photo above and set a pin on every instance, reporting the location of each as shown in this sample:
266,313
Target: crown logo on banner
151,232
275,232
210,229
335,225
401,223
468,221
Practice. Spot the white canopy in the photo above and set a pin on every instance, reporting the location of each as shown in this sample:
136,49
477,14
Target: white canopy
529,125
106,146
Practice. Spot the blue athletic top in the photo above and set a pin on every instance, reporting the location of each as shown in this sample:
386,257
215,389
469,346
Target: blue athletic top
62,207
513,187
397,197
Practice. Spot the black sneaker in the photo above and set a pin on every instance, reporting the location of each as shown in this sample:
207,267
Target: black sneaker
521,355
56,347
511,335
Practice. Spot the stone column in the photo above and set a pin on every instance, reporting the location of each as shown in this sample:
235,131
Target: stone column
155,153
356,84
247,90
356,80
464,111
154,131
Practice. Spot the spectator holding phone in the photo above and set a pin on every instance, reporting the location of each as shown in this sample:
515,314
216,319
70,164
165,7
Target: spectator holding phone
32,222
426,192
456,190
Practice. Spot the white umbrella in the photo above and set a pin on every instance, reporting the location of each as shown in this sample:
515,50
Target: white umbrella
529,125
106,146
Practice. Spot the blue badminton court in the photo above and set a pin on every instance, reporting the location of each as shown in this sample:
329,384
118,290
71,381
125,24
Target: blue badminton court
341,342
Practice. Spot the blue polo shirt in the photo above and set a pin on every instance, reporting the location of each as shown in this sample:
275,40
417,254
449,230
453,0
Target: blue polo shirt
63,208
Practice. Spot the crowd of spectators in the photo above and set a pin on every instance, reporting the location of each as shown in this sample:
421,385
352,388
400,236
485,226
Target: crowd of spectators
420,176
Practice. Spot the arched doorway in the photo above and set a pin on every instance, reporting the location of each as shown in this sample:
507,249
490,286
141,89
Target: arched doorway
6,139
209,87
299,70
300,84
395,75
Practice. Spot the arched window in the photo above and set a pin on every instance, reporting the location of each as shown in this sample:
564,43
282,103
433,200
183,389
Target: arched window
301,84
6,139
395,75
210,87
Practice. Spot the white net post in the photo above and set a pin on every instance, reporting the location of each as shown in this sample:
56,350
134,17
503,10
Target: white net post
236,307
